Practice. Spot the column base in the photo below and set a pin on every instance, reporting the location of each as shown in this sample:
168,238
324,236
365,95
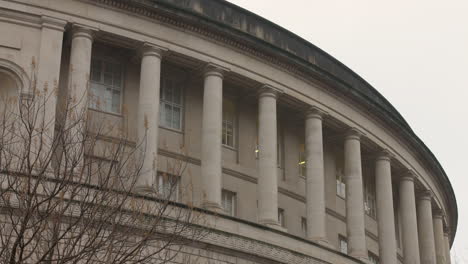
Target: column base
272,224
212,206
322,241
362,258
145,190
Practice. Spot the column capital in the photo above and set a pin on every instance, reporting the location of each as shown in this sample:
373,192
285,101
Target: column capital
83,31
438,214
213,69
425,195
384,154
149,49
353,133
53,23
267,90
408,175
447,231
313,112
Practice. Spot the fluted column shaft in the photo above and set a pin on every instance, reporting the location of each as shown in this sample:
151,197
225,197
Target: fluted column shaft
426,229
315,177
354,196
211,138
148,115
385,212
267,187
78,86
439,238
409,220
448,258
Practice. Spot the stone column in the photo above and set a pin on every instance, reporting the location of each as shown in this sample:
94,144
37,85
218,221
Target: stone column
315,177
78,86
439,238
385,212
408,219
426,228
211,138
148,116
354,195
267,186
448,258
48,75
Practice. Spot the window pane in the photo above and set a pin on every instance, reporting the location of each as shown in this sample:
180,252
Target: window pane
168,91
176,117
96,71
116,101
177,95
108,78
168,117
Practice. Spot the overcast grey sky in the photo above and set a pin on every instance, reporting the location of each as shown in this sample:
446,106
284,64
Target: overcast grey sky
414,52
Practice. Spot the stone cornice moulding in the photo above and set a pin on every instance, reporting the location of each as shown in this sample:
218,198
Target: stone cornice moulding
9,16
53,23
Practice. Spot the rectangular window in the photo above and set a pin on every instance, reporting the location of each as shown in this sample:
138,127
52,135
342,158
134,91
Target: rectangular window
228,200
369,197
171,110
168,186
281,219
304,226
373,258
302,161
229,123
343,244
105,86
340,184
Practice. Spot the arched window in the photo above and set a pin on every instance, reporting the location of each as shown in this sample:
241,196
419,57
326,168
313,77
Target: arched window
9,91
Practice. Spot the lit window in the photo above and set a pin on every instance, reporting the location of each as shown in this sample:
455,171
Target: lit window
340,184
304,226
171,104
168,186
228,200
369,197
343,244
105,86
373,258
302,161
281,220
229,114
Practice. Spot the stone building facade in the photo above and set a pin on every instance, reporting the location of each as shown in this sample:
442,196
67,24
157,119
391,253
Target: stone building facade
304,161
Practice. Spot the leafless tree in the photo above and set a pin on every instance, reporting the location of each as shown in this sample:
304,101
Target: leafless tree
68,190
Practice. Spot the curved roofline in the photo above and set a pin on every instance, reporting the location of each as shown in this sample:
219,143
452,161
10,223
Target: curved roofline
229,19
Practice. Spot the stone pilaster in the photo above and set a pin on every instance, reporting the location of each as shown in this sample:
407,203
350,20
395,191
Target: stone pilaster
48,75
148,115
426,228
385,211
354,195
315,177
267,187
211,137
408,219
